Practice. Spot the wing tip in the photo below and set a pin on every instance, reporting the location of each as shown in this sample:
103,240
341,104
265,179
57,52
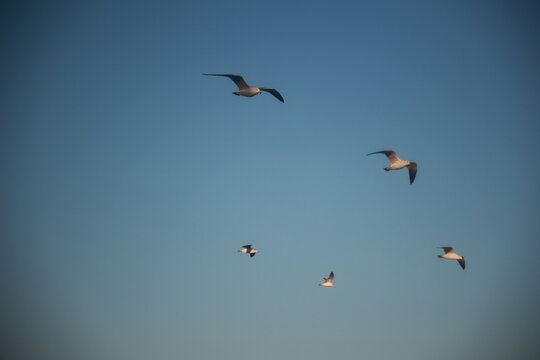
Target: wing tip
462,262
412,173
382,152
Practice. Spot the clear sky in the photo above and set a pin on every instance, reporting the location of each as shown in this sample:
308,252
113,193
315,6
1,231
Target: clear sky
128,180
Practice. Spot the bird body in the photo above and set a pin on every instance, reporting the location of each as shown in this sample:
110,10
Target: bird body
247,249
449,254
249,91
396,163
328,281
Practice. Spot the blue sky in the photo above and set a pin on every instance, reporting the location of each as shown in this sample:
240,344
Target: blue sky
129,180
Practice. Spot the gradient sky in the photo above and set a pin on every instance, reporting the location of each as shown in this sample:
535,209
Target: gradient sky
128,180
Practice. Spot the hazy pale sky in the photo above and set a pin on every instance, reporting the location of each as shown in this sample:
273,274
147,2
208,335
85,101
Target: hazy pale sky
128,180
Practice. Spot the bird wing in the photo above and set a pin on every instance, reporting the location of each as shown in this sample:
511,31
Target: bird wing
238,80
247,247
331,277
462,262
447,249
252,254
273,92
412,171
390,154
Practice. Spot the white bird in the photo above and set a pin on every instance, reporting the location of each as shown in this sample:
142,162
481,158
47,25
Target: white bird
396,163
245,90
451,255
328,281
247,249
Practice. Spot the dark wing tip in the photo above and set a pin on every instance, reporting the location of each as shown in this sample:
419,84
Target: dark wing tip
462,262
237,79
385,152
412,171
252,254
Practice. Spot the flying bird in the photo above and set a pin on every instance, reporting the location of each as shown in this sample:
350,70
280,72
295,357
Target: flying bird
396,163
328,281
247,249
245,90
451,255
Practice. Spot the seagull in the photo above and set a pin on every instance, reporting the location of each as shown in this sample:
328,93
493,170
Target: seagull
396,163
246,249
246,90
328,281
451,255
